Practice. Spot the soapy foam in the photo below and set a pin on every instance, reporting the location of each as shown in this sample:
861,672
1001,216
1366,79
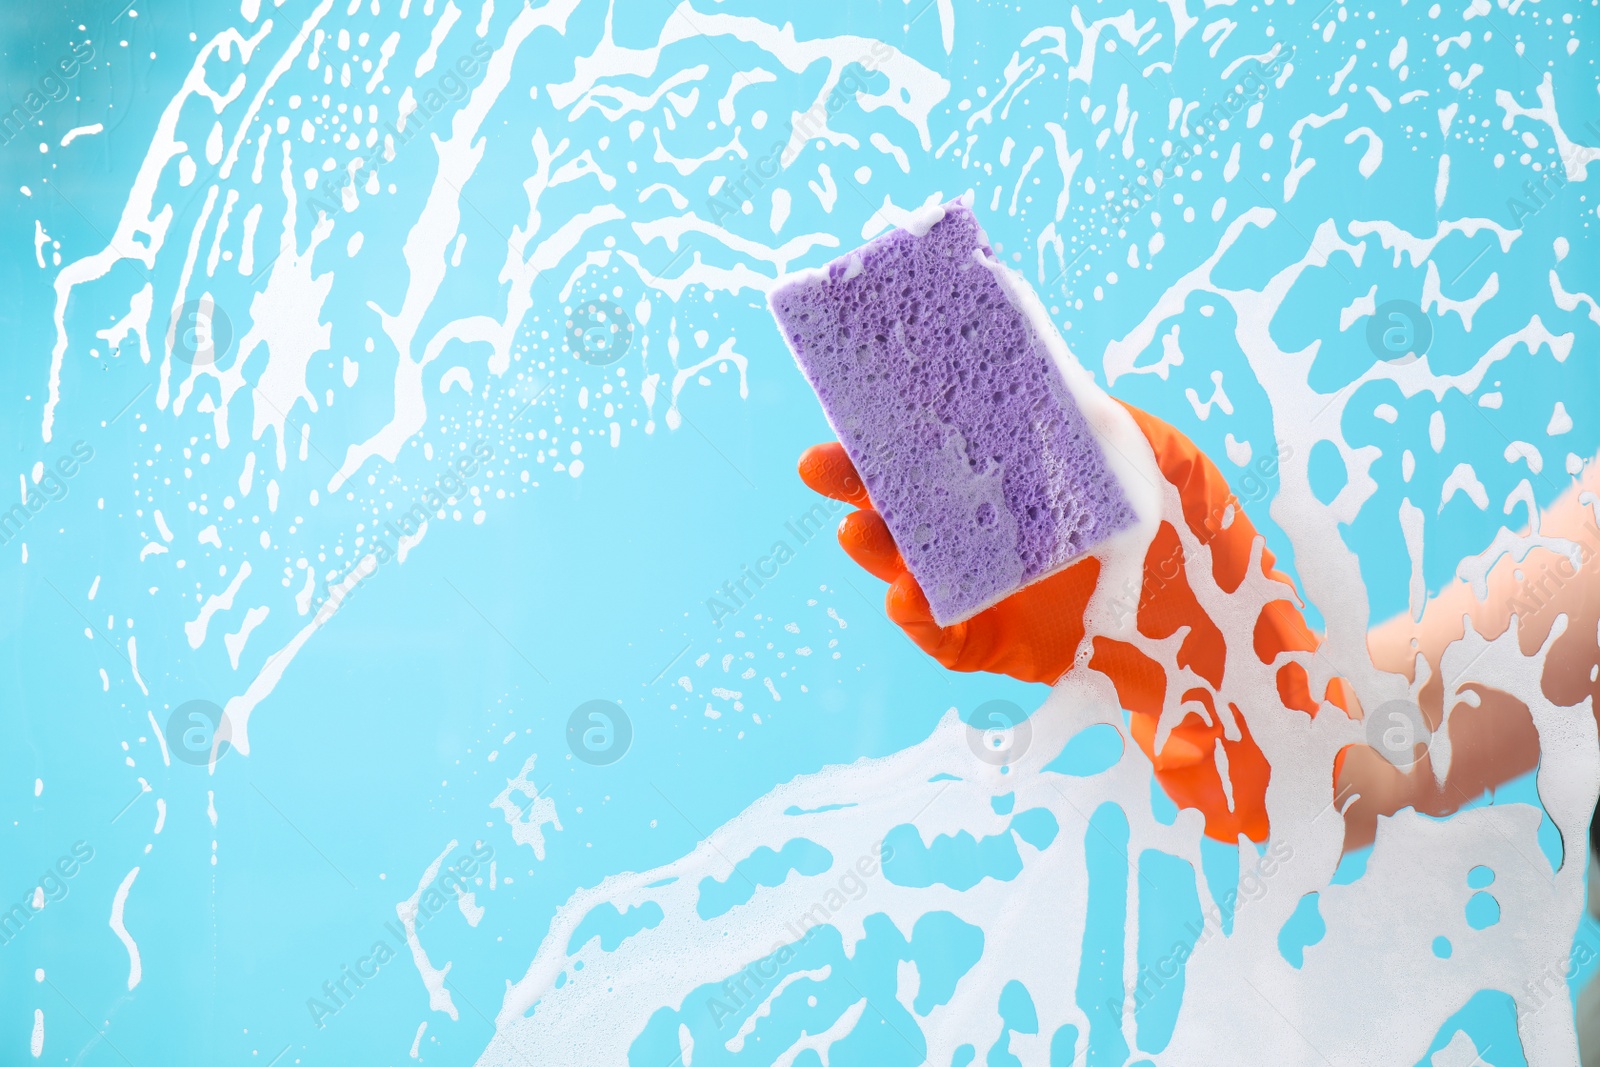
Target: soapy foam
1412,993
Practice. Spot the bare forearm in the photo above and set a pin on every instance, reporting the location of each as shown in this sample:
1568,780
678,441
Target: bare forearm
1491,733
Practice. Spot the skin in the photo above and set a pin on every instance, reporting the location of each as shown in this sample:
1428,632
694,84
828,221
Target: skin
1493,740
1496,740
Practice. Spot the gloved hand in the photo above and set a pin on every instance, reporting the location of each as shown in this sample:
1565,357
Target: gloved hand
1034,634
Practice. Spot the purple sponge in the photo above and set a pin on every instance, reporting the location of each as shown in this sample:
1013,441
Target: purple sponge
942,386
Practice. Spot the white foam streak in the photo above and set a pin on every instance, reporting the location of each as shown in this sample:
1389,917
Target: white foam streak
138,236
436,227
236,713
527,819
433,978
118,903
913,91
195,629
284,62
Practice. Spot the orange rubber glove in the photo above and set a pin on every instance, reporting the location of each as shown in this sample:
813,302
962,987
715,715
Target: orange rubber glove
1034,634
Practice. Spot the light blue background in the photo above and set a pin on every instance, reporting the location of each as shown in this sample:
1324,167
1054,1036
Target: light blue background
369,756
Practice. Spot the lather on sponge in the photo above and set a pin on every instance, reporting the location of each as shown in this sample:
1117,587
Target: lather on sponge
936,371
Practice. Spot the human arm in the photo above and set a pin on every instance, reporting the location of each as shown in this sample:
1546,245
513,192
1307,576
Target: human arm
1036,634
1491,732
